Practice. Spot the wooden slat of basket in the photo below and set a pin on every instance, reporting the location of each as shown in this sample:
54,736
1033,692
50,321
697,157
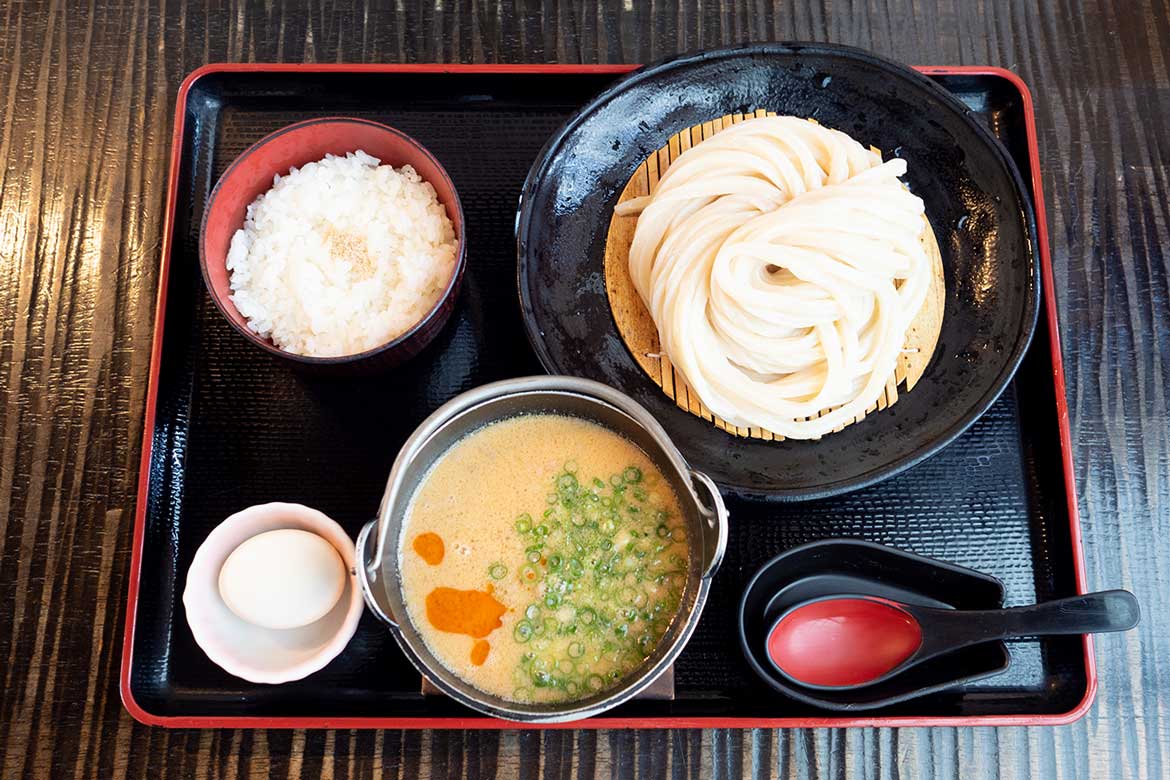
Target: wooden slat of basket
641,336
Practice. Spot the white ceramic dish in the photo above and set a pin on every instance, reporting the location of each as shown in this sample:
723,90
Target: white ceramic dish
258,654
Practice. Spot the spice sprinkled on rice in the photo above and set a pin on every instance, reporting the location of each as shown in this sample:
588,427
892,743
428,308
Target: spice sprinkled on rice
341,256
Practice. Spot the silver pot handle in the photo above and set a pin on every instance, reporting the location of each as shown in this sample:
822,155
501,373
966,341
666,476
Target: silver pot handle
715,513
368,568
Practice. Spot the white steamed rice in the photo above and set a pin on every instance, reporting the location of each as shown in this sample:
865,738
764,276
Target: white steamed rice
341,256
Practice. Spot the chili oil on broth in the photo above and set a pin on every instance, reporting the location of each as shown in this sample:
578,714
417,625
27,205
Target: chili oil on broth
565,558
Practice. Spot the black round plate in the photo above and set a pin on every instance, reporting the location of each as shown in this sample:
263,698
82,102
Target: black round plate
975,201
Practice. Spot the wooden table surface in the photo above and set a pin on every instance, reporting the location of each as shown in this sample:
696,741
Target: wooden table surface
86,98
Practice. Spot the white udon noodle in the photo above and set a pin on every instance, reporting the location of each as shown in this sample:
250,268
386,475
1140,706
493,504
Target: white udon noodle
782,264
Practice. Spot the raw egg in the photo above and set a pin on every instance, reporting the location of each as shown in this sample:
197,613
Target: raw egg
282,579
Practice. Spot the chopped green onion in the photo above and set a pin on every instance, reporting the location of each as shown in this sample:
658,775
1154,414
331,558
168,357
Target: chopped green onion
608,592
523,631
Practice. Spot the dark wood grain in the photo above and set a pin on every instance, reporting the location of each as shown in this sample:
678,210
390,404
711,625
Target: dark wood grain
86,92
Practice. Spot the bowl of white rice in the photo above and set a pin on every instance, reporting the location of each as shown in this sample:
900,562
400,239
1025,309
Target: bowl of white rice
335,243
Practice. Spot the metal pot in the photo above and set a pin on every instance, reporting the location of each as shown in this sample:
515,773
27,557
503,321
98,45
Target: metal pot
379,542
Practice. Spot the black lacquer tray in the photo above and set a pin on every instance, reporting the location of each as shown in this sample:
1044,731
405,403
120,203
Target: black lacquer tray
227,426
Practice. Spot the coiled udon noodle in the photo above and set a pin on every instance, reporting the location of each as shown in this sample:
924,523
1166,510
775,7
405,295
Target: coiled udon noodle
782,264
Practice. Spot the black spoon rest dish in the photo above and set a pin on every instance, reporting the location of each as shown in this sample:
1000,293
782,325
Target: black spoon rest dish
836,566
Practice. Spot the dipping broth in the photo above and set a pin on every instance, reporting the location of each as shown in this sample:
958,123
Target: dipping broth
543,557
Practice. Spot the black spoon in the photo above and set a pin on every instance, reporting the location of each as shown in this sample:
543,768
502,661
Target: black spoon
843,642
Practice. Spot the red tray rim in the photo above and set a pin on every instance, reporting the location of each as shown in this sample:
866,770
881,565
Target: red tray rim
140,714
